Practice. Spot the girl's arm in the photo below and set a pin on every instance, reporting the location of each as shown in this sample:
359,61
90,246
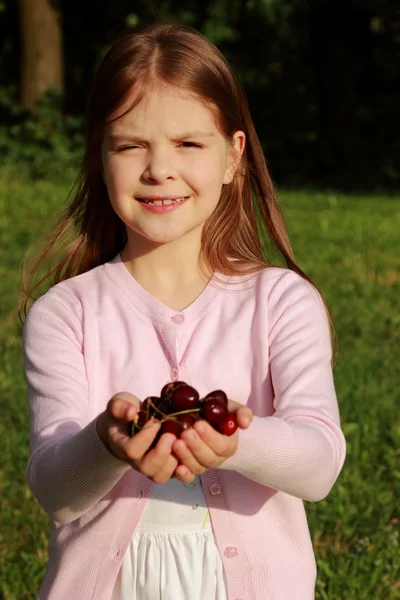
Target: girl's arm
69,468
299,450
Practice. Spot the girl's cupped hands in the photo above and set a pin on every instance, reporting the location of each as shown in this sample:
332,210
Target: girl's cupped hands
158,463
199,448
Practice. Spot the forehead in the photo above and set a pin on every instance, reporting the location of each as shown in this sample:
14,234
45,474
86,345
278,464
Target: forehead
169,108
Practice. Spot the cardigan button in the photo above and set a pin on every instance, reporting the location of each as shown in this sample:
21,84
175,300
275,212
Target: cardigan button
215,489
231,552
118,553
174,374
178,319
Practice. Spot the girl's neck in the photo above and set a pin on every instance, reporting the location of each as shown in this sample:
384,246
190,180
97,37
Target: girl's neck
172,273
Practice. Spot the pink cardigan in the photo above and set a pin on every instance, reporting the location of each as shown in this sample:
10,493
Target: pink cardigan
263,340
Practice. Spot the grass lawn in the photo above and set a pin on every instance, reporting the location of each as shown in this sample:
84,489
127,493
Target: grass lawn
350,247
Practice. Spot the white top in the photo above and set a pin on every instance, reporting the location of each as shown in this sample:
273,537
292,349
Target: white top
176,505
172,554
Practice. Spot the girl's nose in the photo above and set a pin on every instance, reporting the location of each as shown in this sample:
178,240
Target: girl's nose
159,167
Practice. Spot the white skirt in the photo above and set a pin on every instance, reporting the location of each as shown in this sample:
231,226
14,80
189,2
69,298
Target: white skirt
172,554
171,566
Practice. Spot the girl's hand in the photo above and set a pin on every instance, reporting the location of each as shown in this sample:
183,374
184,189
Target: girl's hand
201,447
158,464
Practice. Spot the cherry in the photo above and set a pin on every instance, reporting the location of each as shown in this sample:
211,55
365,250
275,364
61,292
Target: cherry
170,426
218,395
164,407
179,407
186,420
168,388
138,422
148,405
140,419
145,407
215,411
184,397
229,426
155,407
178,424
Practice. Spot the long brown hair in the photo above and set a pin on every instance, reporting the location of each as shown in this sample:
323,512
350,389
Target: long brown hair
248,211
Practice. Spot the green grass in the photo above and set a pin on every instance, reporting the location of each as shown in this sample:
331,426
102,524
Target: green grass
350,247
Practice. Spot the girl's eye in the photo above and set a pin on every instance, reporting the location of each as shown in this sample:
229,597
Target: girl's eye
122,148
182,144
190,145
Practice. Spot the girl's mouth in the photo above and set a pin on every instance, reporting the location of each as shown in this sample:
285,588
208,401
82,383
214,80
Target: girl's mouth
162,205
162,201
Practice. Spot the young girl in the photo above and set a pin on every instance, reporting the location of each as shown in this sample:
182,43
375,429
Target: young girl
165,280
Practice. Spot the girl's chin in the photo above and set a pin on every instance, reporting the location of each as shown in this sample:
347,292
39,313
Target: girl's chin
167,235
159,239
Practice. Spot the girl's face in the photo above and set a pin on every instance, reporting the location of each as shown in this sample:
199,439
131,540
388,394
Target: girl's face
164,165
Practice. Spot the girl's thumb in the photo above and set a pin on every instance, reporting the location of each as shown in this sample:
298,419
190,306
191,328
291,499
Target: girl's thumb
120,402
127,397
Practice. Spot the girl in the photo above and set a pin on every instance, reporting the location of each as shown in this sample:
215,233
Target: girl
164,280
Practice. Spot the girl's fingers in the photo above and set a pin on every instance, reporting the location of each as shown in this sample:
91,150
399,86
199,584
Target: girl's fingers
123,406
244,414
201,447
193,459
137,446
218,443
167,471
130,412
184,474
116,408
156,460
244,417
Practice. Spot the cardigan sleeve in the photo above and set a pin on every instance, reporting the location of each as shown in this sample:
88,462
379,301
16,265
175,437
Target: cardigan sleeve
69,469
300,449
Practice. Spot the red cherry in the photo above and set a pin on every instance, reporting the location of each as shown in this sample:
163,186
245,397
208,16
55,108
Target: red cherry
215,411
186,420
218,395
138,422
141,419
148,405
155,407
184,397
229,426
169,388
145,407
170,426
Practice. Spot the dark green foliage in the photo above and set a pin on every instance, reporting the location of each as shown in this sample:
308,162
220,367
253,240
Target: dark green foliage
321,79
47,143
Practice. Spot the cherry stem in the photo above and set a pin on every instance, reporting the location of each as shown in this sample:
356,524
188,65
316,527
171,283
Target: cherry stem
155,408
182,412
167,417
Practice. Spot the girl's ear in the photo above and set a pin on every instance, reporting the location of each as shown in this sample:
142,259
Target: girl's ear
234,155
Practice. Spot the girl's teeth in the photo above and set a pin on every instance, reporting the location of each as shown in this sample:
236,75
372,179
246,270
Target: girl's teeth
166,201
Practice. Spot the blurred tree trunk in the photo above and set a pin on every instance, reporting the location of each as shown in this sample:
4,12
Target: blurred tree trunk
42,65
